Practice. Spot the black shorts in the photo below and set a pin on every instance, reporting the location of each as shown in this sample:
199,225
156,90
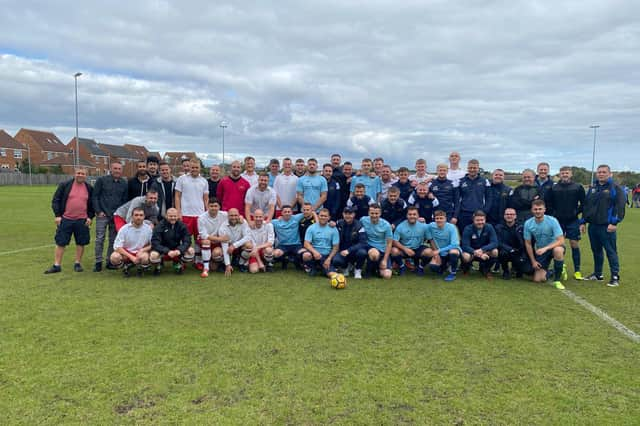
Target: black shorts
571,229
77,228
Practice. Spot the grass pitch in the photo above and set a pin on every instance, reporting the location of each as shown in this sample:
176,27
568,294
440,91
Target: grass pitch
281,348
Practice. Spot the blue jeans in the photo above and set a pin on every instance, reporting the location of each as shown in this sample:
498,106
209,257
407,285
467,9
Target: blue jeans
601,239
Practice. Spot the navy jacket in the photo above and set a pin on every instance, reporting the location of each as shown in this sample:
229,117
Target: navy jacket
137,188
394,213
425,206
604,204
544,187
447,194
350,236
361,206
60,197
473,239
473,195
334,199
499,194
510,238
405,189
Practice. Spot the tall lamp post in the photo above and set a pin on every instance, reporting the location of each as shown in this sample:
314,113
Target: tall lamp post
593,157
29,159
75,77
223,126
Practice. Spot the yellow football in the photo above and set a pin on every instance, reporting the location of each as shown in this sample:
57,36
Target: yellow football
338,281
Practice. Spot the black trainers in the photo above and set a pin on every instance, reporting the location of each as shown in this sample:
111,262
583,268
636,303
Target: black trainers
97,267
614,281
125,270
54,269
594,277
111,266
506,274
139,272
78,267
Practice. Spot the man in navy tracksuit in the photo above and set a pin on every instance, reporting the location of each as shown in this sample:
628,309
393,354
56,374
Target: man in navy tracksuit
474,195
394,208
565,202
479,242
445,191
360,201
334,196
511,246
353,244
603,211
543,181
499,194
424,201
404,184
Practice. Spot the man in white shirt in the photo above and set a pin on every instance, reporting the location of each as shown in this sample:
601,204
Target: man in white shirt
238,245
421,175
133,244
192,197
262,237
210,241
260,197
455,173
387,180
250,170
285,187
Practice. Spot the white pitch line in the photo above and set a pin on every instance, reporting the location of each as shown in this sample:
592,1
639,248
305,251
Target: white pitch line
25,249
603,316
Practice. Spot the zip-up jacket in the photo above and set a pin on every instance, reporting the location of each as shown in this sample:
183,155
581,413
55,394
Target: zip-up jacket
350,236
394,213
499,194
474,238
544,187
137,188
604,204
158,185
334,198
167,237
447,194
425,206
405,189
360,205
510,238
60,197
473,195
565,201
521,200
108,194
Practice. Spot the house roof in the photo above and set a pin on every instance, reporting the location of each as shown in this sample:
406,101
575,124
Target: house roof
118,151
7,141
67,161
175,155
138,150
47,141
90,145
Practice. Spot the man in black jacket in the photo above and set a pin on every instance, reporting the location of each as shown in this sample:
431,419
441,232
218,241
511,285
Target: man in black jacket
109,193
394,208
565,202
511,246
603,211
171,240
165,185
73,212
499,194
523,195
139,184
353,244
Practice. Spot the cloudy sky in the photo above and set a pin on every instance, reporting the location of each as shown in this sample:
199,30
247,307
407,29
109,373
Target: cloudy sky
508,82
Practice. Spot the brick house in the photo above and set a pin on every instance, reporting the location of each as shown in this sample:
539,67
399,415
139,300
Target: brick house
174,159
138,151
93,154
66,164
118,152
12,152
44,146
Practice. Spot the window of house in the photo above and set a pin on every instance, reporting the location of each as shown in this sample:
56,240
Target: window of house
50,155
3,152
17,153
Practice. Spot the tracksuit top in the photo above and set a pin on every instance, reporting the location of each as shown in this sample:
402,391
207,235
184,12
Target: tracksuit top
474,238
447,194
360,205
350,236
521,200
499,194
167,237
510,238
394,213
565,201
473,195
604,204
424,205
405,189
334,198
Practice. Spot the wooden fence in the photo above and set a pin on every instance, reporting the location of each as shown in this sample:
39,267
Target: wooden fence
35,179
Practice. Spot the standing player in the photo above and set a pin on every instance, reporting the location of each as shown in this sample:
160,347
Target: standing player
386,181
250,174
446,192
394,208
549,244
479,242
73,212
171,242
232,189
455,173
139,184
379,242
300,169
404,184
152,167
210,240
445,245
110,192
321,242
378,165
260,197
192,197
334,196
603,211
312,187
499,193
474,195
543,180
421,175
524,195
409,241
285,186
214,180
262,241
371,182
565,202
165,186
274,171
424,201
133,244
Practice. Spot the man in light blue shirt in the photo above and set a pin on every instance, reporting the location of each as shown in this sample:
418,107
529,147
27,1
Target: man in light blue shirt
549,243
288,247
379,242
372,184
321,242
409,240
312,188
446,245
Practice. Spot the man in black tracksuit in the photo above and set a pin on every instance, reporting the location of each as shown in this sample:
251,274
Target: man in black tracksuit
479,242
565,201
499,194
139,184
334,196
511,246
353,244
445,191
165,185
171,240
394,208
474,196
603,211
523,196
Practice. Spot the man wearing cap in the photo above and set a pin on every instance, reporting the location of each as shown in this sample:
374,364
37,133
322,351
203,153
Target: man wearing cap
353,244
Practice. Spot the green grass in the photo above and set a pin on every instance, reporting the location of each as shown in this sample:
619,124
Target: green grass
286,349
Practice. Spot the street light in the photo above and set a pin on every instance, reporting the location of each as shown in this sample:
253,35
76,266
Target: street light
593,157
75,77
29,159
223,125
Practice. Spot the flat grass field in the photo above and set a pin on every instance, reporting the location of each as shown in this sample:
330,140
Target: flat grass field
282,348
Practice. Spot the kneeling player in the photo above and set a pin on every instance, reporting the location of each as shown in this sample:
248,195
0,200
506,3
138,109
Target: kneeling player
353,244
171,241
446,245
379,242
549,243
262,238
511,246
237,250
408,242
479,242
132,244
322,242
287,230
209,224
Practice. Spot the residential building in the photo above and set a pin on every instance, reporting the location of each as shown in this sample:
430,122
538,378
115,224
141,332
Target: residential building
12,152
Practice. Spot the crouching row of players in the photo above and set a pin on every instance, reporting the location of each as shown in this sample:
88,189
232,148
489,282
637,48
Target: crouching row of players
226,241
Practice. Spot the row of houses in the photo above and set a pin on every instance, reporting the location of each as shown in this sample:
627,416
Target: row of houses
45,150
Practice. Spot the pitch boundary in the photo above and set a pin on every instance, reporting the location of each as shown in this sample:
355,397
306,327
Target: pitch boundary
26,249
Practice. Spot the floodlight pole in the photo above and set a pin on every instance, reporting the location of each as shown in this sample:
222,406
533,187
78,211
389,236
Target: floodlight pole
75,77
29,159
223,126
593,157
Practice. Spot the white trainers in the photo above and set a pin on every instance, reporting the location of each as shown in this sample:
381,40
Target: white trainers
357,274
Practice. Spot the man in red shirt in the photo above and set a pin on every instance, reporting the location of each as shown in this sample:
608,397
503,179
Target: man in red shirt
232,189
73,212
